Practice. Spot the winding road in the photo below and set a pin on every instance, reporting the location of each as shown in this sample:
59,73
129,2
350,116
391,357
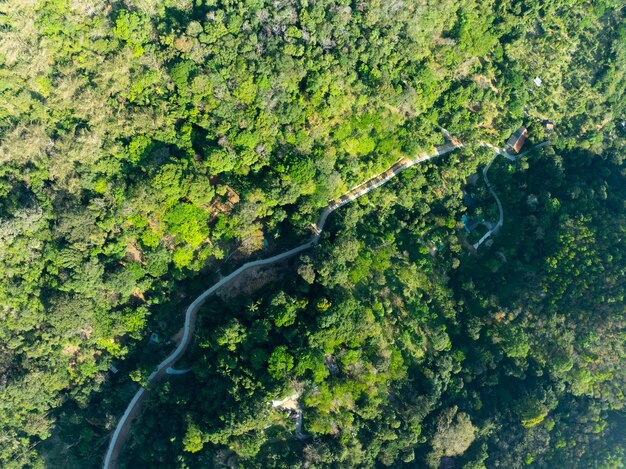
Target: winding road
498,225
507,155
122,431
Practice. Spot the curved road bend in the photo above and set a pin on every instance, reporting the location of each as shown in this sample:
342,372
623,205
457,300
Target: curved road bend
122,431
499,151
495,196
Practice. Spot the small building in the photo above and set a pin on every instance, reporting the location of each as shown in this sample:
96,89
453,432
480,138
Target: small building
537,81
517,140
232,196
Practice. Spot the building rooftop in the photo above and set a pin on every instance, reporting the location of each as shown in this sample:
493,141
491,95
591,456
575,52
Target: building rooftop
517,140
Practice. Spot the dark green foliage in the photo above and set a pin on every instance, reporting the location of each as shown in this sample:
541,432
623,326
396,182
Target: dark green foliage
399,363
141,142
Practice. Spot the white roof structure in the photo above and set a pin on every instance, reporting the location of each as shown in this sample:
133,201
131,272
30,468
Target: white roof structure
538,81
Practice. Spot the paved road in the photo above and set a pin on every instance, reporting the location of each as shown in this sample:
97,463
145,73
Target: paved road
121,433
495,196
499,151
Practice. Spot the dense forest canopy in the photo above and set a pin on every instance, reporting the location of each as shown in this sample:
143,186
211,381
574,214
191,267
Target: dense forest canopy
145,144
493,358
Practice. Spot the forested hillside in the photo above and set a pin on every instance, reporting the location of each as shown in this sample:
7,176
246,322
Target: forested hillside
145,144
398,355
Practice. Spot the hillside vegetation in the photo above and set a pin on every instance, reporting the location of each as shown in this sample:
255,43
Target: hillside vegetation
142,142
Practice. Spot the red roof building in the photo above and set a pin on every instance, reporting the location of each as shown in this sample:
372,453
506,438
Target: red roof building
517,140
